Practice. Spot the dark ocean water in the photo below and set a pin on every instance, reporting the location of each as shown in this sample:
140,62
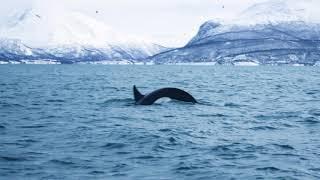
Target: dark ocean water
80,122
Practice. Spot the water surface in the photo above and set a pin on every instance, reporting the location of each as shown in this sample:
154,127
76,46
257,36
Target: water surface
80,122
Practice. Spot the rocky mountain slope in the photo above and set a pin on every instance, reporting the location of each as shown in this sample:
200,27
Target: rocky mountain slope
68,37
267,33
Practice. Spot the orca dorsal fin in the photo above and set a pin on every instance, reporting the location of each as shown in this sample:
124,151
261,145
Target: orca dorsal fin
137,95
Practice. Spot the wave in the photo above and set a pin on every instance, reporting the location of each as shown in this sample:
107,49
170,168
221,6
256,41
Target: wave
265,128
283,146
310,120
11,105
314,112
279,115
211,115
11,158
232,105
61,162
96,172
169,116
56,101
32,126
146,157
116,101
161,148
312,92
270,168
205,103
114,145
285,155
165,130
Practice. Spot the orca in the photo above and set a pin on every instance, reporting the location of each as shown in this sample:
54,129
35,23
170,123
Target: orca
172,93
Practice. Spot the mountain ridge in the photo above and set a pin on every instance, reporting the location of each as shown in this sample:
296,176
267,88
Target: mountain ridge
68,37
293,41
268,33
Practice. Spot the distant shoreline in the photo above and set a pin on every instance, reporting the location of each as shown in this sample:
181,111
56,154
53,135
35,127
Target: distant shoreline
154,64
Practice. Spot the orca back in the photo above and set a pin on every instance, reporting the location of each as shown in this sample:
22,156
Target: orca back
173,93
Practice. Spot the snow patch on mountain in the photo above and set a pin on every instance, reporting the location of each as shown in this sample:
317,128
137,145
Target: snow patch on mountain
273,32
47,28
70,36
275,11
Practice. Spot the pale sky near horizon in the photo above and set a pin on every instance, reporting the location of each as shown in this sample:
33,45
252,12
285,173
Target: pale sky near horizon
166,22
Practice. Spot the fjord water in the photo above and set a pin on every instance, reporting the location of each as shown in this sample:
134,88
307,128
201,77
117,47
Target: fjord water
80,122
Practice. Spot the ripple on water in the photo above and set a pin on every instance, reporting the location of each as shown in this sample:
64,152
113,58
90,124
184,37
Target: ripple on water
169,116
172,140
62,128
237,150
165,130
10,105
162,148
285,154
315,169
61,162
263,128
314,112
114,145
269,169
96,172
123,153
56,101
109,102
186,168
146,157
27,141
13,158
312,92
278,115
32,126
310,120
206,103
232,105
212,115
283,146
198,170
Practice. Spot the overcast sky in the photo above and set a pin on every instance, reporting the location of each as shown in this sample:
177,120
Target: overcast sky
167,22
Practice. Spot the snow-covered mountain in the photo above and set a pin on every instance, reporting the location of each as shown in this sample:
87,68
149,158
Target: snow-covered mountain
273,32
68,37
